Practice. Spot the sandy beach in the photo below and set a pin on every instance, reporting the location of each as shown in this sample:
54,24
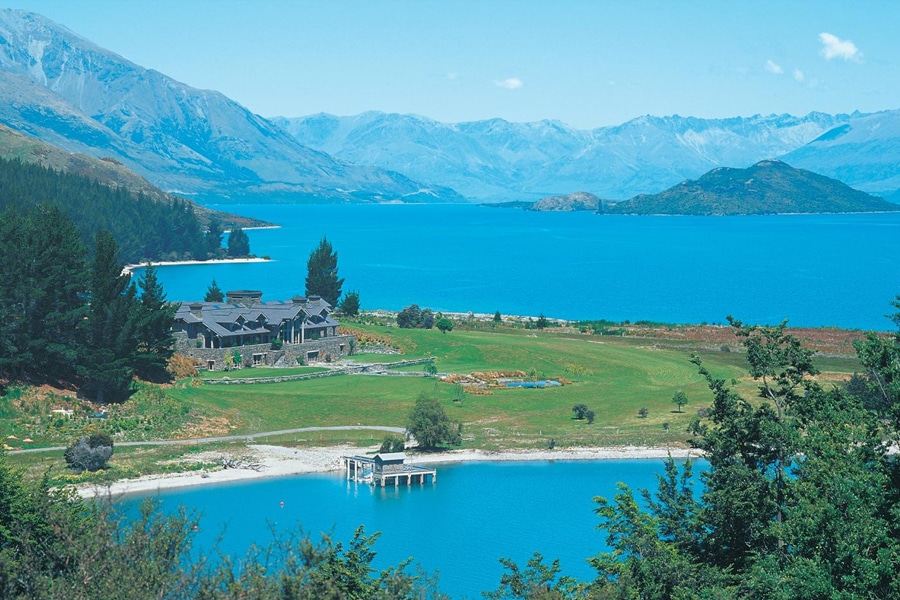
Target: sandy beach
127,269
278,461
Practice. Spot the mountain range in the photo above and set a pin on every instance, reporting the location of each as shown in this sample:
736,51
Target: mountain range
66,91
498,160
62,89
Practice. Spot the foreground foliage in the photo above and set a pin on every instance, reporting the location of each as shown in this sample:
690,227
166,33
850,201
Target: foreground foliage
799,501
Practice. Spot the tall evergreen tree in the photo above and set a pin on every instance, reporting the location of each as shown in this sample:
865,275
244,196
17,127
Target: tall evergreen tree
322,273
238,242
14,293
112,325
153,329
214,293
58,284
212,240
42,290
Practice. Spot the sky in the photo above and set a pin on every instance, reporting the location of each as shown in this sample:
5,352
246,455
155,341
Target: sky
587,63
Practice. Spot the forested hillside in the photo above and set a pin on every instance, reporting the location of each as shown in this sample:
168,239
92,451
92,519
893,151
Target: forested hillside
73,320
144,228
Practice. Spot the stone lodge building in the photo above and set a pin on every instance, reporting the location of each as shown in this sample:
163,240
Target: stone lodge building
261,333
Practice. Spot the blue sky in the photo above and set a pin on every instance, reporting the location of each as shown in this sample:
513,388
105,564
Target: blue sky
586,63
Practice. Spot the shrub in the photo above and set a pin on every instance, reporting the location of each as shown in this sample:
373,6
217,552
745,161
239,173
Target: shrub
581,411
444,325
181,366
89,453
392,443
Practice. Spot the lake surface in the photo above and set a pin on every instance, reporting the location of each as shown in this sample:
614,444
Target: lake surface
475,514
815,270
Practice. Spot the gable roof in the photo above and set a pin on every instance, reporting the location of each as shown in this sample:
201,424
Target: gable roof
232,319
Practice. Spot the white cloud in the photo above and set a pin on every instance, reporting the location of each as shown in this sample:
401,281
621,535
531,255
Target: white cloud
798,75
773,67
834,47
513,83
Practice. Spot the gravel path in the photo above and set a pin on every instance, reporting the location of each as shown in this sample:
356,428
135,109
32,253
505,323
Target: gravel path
232,438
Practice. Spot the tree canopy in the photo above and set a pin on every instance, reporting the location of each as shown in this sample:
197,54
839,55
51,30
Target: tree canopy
238,242
413,317
430,425
214,293
145,229
322,273
349,306
798,502
67,321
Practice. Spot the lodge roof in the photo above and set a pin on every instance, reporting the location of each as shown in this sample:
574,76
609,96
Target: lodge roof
227,319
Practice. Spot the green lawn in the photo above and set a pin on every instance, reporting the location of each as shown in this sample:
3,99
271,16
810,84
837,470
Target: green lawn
615,377
252,372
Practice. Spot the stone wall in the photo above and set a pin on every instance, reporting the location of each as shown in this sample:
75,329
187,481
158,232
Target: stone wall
311,351
369,369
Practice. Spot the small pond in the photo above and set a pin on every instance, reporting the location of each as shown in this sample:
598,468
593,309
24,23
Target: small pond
533,384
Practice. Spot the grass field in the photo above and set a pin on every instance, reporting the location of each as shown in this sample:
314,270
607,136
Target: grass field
614,376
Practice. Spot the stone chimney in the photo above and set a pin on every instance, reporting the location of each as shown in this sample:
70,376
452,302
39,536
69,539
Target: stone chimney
246,298
196,309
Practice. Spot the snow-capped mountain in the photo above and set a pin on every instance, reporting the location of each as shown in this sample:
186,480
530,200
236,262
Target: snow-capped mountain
863,153
61,88
496,159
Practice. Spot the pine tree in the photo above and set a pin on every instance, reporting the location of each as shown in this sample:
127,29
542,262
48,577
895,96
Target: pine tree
111,334
153,329
212,240
349,306
42,289
57,279
322,273
238,242
214,293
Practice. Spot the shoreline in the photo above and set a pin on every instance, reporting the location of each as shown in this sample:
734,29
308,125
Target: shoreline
279,461
129,269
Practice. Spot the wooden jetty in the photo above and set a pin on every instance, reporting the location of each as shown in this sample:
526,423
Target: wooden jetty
385,469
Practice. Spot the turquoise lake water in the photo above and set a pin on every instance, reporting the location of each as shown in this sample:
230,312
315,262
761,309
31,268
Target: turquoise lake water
815,270
475,514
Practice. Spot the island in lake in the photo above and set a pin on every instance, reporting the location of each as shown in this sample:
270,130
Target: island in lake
768,187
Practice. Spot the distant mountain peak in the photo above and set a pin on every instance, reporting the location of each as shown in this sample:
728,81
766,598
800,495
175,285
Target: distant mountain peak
497,160
61,88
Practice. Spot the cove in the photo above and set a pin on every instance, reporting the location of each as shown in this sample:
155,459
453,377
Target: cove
838,270
475,514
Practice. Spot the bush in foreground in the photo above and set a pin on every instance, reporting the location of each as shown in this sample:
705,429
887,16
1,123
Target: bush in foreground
89,453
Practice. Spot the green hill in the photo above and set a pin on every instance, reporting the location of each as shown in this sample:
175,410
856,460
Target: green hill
106,171
768,187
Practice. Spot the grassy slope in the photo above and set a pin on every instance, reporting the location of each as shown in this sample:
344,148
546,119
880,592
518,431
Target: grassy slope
615,377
